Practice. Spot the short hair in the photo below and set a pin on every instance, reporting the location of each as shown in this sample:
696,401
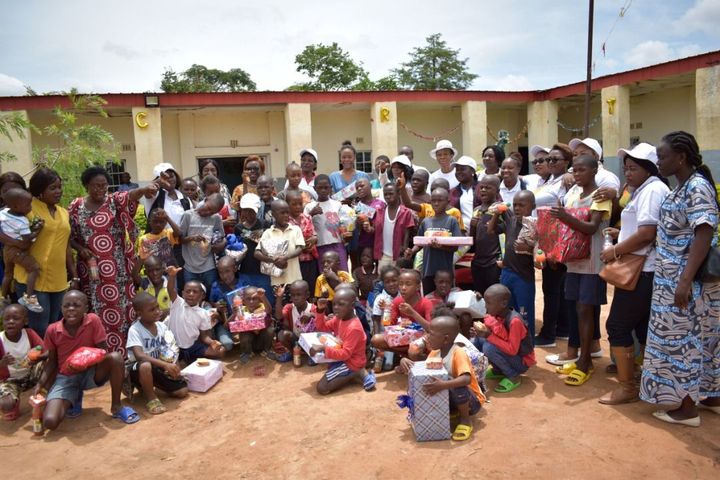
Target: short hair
564,148
444,272
322,177
215,199
388,269
208,180
403,263
442,310
412,271
141,298
300,283
42,179
588,160
382,157
16,194
204,163
499,152
292,164
92,172
12,177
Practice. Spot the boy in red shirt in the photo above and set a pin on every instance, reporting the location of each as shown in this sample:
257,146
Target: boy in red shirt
298,316
443,288
504,339
350,356
79,329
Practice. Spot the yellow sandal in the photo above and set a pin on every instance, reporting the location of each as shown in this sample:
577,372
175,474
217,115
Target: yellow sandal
577,378
462,432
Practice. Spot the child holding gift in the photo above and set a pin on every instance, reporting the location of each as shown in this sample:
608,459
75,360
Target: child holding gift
326,219
164,234
189,322
504,338
227,282
298,316
19,360
309,256
382,304
425,210
282,231
393,223
331,277
349,356
152,360
202,236
484,267
260,341
78,329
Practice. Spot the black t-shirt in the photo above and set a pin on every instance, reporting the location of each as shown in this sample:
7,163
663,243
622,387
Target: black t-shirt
251,238
487,245
521,264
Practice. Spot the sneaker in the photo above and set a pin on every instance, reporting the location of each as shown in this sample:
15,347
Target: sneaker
31,303
543,342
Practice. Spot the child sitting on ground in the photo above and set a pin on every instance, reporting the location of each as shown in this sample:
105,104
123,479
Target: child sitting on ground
349,357
465,395
15,225
164,234
259,341
189,322
77,329
366,274
19,368
298,316
504,339
227,282
331,276
153,355
443,288
154,283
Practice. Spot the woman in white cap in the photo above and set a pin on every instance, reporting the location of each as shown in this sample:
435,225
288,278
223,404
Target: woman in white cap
542,173
605,179
462,196
443,154
348,174
683,343
630,310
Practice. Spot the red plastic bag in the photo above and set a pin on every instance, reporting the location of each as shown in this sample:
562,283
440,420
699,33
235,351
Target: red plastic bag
82,359
560,242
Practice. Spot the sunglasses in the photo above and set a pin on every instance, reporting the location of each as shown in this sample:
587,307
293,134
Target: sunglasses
554,159
539,161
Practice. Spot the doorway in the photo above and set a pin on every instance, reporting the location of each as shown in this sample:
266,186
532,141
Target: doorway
230,169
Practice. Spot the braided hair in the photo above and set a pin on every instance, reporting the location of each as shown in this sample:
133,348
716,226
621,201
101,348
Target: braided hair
683,142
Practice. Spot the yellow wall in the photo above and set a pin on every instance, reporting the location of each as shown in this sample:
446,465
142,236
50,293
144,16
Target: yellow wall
331,127
574,117
427,122
662,112
512,120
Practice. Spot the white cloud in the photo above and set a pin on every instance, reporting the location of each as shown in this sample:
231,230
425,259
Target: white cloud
10,86
120,50
703,16
654,51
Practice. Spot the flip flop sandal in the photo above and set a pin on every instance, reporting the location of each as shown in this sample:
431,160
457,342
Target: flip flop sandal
506,386
491,375
127,415
369,382
555,359
462,432
566,369
76,410
155,407
577,378
13,414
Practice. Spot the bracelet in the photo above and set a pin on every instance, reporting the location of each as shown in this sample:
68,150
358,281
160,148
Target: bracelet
615,254
75,279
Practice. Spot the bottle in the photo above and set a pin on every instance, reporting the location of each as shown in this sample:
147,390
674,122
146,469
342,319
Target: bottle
297,355
540,257
93,269
386,315
38,405
608,243
32,356
237,305
379,361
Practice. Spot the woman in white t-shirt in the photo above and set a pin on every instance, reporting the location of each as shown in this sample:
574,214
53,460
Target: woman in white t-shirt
444,153
630,310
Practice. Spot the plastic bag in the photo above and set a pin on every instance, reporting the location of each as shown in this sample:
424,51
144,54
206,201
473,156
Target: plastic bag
82,359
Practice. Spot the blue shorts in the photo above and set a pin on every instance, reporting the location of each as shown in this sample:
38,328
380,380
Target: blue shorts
585,288
192,353
337,370
461,396
69,387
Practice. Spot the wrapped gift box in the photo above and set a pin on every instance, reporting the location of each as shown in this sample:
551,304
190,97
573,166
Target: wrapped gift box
442,240
397,336
367,210
201,378
467,301
345,193
430,414
248,323
308,340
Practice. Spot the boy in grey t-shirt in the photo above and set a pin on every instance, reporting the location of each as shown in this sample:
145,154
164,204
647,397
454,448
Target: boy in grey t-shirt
202,237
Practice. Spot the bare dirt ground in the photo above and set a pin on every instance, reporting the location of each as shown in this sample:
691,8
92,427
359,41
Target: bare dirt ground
276,426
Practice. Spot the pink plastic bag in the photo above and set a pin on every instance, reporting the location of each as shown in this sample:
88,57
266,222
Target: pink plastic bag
82,359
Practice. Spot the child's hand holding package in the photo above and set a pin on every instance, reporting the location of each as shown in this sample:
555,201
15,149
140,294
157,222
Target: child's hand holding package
434,386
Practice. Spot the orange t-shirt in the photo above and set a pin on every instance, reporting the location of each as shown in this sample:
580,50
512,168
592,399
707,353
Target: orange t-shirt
461,365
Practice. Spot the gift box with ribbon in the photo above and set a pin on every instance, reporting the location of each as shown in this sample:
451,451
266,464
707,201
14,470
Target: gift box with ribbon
428,414
397,336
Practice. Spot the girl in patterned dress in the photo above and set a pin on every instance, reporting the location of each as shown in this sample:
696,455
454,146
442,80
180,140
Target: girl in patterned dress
103,232
682,356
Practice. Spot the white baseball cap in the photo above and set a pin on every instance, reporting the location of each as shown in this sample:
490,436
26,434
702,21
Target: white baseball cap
162,167
442,145
588,142
467,162
310,151
535,149
641,151
402,159
251,201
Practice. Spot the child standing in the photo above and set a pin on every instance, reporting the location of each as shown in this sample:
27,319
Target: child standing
202,236
350,359
164,234
331,277
298,316
293,173
265,190
18,371
366,274
394,222
504,339
189,322
209,185
153,355
366,236
325,218
260,341
15,225
189,188
227,282
282,231
484,267
518,273
382,303
435,256
79,329
309,256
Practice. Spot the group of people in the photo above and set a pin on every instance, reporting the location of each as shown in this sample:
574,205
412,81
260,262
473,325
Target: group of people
339,253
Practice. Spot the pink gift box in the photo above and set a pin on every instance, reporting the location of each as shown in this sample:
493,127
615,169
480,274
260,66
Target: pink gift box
458,241
248,323
397,336
202,378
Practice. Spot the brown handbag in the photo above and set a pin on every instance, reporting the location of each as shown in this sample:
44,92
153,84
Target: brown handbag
624,272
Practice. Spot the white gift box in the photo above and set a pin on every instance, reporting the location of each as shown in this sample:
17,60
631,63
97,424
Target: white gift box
202,378
458,241
308,340
466,301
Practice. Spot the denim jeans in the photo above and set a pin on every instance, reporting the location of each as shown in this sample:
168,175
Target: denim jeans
223,336
509,365
51,303
206,278
523,296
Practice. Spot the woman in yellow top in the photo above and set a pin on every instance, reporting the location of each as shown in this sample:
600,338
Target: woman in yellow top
51,250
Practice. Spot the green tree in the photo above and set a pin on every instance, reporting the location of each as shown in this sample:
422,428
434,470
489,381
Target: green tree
13,125
434,67
330,68
199,78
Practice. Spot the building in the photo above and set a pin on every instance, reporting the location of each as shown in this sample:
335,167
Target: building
632,106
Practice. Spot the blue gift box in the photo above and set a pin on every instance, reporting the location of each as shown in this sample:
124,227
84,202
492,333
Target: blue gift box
429,414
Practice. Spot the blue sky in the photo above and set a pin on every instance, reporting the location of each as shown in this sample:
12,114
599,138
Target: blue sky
124,46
